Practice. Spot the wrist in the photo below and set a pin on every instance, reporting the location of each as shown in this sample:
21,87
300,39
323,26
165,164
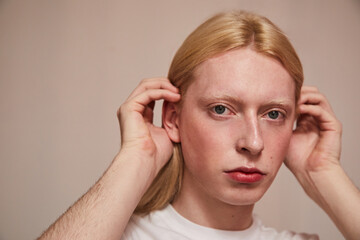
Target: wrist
316,182
134,167
326,186
332,190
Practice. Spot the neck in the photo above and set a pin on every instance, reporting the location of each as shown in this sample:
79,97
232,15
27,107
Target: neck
208,211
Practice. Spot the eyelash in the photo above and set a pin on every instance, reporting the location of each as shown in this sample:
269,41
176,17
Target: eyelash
226,109
281,115
222,108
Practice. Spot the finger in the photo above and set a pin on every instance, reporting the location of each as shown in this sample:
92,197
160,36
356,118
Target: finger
151,105
325,120
315,98
306,123
305,119
307,89
148,114
142,100
153,83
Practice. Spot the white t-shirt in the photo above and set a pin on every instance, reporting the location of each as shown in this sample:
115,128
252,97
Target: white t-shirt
168,224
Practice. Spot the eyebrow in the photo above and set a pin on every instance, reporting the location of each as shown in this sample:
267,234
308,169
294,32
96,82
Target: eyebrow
281,102
205,99
287,105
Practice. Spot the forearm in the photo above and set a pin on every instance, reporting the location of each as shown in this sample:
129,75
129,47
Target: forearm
335,193
104,211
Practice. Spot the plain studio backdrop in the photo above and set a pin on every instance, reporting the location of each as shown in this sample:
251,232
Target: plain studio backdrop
66,66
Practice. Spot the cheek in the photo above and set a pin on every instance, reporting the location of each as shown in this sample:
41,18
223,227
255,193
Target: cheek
277,143
202,142
196,139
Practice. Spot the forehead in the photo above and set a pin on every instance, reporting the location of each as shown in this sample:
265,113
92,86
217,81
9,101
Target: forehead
243,73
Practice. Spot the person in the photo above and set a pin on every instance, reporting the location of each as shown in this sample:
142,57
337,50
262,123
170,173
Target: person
233,93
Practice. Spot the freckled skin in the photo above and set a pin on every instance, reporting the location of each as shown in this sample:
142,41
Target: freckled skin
244,135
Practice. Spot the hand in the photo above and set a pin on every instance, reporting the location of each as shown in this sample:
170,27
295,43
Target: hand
313,157
138,134
316,141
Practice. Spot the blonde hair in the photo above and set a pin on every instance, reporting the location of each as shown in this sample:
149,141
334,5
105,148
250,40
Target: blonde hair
223,32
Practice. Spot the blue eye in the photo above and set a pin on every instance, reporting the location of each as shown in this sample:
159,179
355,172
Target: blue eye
274,114
219,109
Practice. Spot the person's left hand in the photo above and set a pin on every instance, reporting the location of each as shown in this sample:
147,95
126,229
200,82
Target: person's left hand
316,141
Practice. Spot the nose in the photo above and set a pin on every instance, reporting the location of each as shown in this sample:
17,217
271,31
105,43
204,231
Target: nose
250,140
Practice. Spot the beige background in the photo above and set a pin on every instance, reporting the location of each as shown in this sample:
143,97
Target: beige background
66,66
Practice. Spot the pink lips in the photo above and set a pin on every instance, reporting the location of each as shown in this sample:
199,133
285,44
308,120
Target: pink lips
245,175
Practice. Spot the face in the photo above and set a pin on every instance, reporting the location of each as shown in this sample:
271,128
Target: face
235,126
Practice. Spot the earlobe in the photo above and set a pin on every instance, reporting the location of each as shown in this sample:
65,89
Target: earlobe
170,121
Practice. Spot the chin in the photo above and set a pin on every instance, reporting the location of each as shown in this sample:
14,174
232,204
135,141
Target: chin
245,196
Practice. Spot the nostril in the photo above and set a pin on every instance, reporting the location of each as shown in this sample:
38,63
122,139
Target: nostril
244,149
250,150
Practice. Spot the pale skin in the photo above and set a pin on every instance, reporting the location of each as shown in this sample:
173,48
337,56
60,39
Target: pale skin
312,151
248,86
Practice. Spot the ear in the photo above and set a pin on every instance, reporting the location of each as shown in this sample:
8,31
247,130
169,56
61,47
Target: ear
170,121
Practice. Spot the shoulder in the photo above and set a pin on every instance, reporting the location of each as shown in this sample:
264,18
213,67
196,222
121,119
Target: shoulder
168,224
156,225
272,233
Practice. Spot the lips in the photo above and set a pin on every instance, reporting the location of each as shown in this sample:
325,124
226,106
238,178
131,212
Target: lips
245,175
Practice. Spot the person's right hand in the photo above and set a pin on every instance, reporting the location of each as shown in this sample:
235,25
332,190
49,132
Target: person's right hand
138,134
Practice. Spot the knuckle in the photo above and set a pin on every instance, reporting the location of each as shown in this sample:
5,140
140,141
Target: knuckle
121,110
311,88
118,112
145,80
322,98
340,126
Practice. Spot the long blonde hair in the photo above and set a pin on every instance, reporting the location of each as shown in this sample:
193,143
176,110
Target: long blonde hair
223,32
